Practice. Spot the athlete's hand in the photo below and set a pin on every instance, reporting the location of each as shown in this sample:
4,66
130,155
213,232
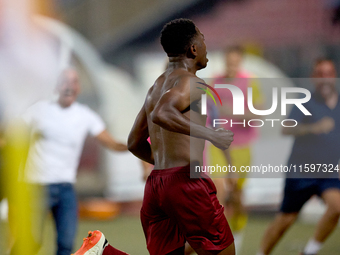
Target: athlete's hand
222,138
323,126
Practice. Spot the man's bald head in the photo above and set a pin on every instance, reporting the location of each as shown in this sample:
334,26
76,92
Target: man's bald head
68,87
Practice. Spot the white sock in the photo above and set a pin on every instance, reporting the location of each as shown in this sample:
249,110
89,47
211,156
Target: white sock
312,247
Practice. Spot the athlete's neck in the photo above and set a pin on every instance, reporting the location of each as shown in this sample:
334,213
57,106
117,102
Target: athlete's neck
183,62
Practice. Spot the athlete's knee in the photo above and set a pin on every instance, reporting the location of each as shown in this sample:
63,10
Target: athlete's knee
285,220
337,211
332,199
333,211
335,205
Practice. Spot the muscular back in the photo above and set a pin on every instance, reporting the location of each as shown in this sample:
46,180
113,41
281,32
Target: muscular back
172,149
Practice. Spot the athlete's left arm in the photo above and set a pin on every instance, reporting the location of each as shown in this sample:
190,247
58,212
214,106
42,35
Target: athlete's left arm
137,141
109,142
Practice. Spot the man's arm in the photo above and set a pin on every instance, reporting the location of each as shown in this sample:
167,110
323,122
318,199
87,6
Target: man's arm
168,114
137,141
323,126
109,142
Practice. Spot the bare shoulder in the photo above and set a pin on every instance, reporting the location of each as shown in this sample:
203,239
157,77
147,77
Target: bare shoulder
150,90
188,80
194,84
178,83
154,93
156,86
198,82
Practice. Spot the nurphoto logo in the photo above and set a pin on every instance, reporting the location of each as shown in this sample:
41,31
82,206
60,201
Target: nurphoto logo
238,104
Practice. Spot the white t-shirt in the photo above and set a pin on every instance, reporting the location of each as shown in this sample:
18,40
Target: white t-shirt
58,135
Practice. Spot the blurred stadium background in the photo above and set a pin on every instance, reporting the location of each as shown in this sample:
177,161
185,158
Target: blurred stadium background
114,45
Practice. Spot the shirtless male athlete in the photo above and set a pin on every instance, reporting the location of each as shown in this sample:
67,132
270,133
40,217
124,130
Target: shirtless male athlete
176,208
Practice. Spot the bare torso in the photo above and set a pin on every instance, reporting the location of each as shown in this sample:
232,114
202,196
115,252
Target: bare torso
171,149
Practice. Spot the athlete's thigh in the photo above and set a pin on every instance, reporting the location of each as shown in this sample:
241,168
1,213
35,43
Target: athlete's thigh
193,204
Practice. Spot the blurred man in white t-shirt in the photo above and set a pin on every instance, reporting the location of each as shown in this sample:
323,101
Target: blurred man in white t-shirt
59,129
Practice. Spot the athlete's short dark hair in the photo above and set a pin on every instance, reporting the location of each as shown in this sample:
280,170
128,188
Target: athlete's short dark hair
177,35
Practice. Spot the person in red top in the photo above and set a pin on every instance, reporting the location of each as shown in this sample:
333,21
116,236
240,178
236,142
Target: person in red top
239,153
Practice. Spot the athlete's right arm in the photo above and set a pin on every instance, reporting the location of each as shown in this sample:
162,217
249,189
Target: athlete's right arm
168,113
137,141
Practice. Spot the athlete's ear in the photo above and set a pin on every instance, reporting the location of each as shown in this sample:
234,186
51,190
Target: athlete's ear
192,52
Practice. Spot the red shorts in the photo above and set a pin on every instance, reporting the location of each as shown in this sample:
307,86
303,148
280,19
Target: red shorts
177,208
